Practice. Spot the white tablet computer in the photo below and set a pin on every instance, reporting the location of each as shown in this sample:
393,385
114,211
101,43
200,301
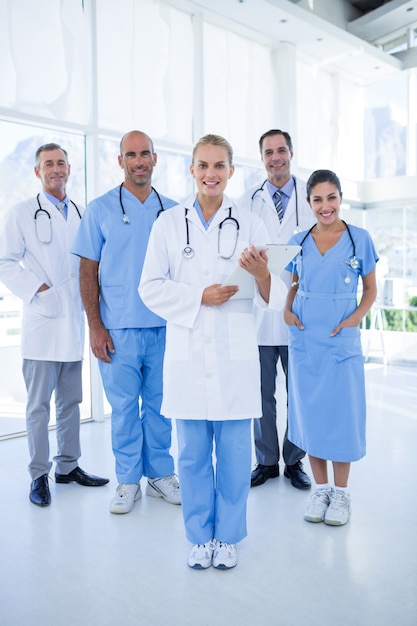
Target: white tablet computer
279,255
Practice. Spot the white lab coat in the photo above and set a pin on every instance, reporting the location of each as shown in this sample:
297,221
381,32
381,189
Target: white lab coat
53,320
211,365
271,328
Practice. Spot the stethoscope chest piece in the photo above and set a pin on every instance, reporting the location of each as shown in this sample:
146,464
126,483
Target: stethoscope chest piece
188,252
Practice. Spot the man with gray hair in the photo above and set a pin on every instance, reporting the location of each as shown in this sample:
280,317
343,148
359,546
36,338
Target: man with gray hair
37,266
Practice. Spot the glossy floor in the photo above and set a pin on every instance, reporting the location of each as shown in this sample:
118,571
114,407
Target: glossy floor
74,563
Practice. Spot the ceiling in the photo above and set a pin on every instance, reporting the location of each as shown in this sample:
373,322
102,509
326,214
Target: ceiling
344,35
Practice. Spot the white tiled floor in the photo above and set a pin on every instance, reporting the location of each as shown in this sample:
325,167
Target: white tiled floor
76,564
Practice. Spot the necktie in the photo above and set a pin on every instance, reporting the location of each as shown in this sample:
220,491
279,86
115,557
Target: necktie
278,204
61,208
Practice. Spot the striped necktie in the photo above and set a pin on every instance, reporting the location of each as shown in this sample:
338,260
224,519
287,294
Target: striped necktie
61,208
278,204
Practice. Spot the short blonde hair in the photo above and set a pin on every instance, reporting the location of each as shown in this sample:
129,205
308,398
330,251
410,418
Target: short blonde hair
214,140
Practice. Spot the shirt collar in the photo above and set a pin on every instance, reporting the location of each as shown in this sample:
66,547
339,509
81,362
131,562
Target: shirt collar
286,189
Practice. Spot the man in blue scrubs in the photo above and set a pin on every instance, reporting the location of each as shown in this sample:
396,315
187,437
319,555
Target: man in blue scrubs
126,337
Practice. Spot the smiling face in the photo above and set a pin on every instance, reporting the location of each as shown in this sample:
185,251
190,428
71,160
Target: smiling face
211,169
53,170
137,159
276,157
325,200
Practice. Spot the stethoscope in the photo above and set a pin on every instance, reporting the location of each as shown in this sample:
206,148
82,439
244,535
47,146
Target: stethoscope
352,262
188,252
261,188
40,210
125,217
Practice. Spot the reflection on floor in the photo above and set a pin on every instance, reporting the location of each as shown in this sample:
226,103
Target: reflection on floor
76,564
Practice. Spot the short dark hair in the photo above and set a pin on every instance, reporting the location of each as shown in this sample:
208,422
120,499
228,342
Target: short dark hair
271,133
45,148
323,176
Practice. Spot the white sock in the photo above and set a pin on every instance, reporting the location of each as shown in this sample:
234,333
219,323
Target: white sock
323,486
344,489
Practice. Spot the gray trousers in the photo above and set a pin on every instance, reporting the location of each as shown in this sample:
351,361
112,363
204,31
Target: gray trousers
265,428
41,379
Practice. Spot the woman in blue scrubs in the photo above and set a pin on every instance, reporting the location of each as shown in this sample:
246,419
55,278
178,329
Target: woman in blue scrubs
326,387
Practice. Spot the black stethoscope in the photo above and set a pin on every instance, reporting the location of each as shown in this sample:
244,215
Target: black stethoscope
261,188
41,211
125,217
352,262
188,251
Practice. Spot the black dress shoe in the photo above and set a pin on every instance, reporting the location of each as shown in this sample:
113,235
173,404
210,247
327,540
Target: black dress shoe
82,478
39,491
297,476
261,473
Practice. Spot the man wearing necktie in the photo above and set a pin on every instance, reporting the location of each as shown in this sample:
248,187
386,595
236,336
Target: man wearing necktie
37,266
281,202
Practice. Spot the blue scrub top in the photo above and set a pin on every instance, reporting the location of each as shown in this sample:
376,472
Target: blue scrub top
120,249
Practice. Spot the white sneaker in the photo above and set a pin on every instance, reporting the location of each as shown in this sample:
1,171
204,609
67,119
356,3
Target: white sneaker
318,505
166,487
338,512
125,497
225,555
201,555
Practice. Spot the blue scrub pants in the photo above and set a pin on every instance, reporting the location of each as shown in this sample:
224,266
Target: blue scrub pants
141,436
41,379
214,498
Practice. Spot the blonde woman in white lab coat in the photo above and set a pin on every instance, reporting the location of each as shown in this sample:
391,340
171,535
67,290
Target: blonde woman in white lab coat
211,366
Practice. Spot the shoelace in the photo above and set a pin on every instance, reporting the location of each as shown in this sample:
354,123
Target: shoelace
339,500
123,491
320,495
228,547
172,481
202,547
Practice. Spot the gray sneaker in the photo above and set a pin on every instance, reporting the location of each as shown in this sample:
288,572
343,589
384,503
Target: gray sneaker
166,487
317,505
338,512
125,497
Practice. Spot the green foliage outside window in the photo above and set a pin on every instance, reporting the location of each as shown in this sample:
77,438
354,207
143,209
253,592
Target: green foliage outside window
393,320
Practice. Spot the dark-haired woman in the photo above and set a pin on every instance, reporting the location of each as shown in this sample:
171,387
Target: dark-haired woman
326,387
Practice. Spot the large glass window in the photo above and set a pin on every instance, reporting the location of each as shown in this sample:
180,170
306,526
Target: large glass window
385,137
45,59
239,88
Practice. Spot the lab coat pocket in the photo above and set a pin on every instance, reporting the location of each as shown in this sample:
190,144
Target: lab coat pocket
177,343
46,303
347,344
243,344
